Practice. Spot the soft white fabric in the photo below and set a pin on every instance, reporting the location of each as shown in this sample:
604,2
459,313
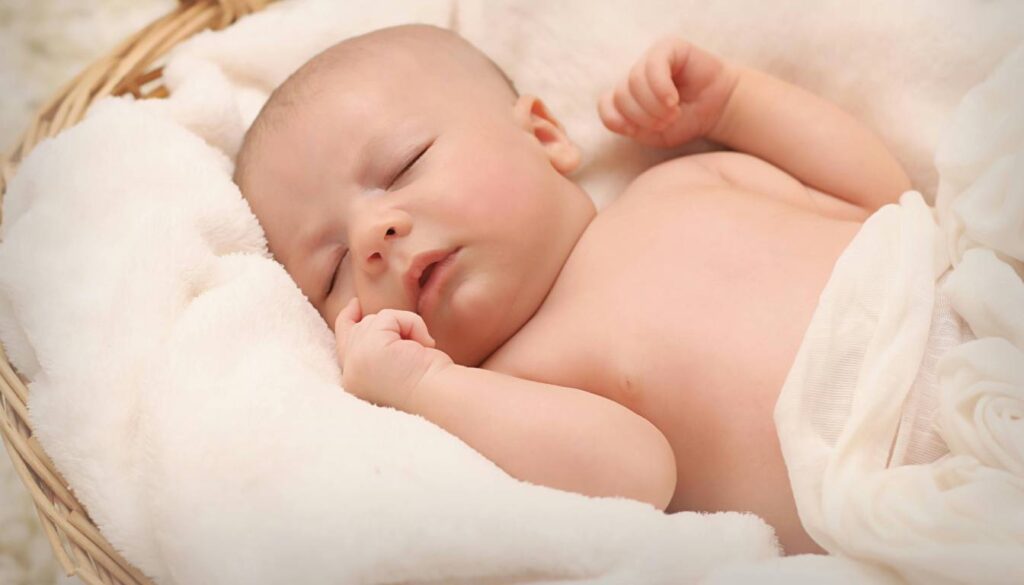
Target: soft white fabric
190,395
959,519
918,439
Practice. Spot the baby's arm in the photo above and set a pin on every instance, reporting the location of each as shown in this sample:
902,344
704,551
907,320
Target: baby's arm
550,435
678,92
810,138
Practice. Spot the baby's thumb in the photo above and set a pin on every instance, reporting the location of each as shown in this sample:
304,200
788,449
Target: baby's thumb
346,319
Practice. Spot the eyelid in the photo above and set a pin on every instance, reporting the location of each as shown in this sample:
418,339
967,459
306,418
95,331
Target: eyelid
412,162
334,275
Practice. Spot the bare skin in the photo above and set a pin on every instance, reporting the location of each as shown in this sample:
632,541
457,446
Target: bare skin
637,352
706,373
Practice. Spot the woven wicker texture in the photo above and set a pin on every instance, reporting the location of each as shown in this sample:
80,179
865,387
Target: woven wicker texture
133,67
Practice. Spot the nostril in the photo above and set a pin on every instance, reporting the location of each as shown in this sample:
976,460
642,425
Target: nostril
390,232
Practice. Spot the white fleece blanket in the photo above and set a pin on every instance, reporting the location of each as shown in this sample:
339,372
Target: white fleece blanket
190,395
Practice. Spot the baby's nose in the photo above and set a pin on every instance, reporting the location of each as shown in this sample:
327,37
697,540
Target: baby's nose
379,238
378,254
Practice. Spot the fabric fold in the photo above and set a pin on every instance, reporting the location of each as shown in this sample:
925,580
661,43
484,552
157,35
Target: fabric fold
960,518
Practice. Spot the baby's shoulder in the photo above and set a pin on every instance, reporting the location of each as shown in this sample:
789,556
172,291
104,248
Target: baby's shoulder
682,173
753,180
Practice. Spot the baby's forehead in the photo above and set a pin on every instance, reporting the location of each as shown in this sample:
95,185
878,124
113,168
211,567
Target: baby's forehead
412,49
398,55
404,60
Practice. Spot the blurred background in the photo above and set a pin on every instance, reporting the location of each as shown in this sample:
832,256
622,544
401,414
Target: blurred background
43,44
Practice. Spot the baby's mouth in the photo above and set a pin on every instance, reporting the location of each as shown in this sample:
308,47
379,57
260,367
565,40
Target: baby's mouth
437,270
426,274
424,270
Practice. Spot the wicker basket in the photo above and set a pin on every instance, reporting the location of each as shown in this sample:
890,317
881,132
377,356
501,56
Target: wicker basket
133,67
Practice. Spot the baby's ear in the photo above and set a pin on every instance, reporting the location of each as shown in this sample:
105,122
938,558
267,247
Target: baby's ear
533,116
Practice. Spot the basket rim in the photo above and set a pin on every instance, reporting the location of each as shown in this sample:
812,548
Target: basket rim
132,67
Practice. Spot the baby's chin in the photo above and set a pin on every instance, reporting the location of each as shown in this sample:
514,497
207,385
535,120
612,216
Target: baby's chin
467,345
470,352
476,323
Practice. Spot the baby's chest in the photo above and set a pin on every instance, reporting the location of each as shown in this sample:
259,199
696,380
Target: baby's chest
671,304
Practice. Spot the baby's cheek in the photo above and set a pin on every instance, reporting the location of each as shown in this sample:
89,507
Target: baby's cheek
498,194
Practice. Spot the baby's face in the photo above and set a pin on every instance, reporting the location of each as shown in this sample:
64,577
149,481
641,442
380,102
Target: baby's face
420,189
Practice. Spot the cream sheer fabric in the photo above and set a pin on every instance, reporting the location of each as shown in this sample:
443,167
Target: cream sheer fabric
902,419
918,439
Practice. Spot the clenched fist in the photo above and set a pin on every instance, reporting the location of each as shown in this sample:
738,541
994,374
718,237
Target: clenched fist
385,356
675,93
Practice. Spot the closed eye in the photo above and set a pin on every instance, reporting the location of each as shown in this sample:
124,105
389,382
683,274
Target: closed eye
412,162
334,275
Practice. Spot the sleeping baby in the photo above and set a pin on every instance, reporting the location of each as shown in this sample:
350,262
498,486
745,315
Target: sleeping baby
426,210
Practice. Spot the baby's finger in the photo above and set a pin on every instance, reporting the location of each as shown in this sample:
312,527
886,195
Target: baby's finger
700,71
408,325
611,117
642,91
631,109
664,60
351,314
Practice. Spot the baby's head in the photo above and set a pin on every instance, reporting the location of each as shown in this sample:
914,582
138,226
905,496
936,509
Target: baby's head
401,167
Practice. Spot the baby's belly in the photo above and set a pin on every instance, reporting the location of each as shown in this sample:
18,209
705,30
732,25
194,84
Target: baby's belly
703,300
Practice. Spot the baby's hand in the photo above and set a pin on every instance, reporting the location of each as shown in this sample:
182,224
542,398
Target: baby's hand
675,93
385,356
